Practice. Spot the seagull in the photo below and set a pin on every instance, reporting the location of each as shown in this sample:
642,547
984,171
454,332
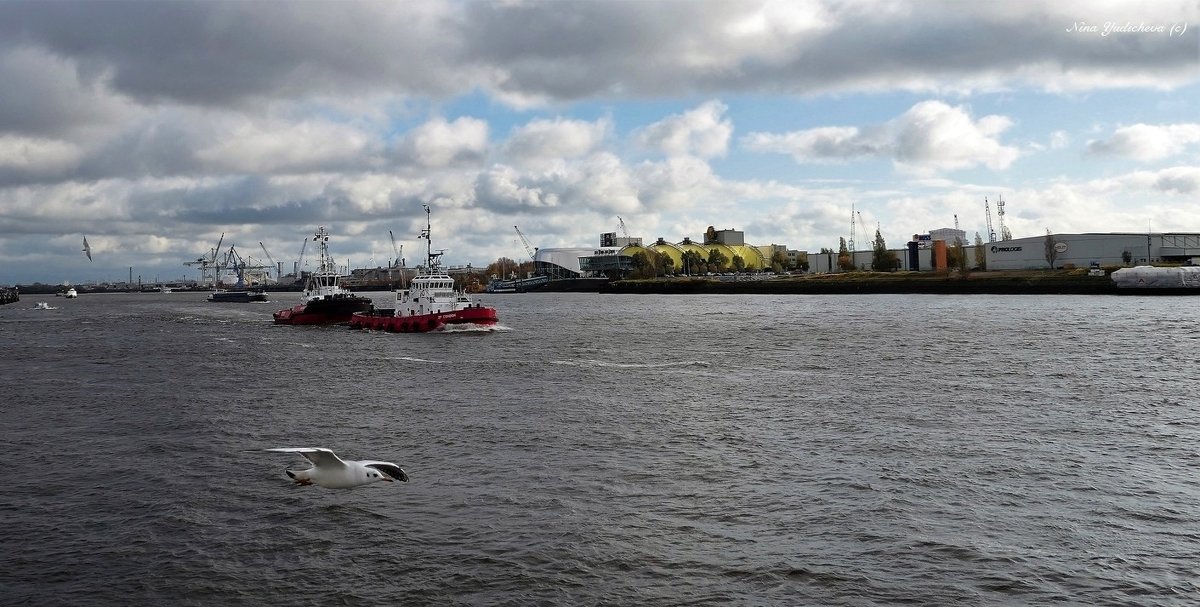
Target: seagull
333,472
87,249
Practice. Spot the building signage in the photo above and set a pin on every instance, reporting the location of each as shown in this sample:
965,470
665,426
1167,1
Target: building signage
1005,249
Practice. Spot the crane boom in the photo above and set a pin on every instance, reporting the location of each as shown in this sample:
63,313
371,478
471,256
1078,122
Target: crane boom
987,209
300,262
398,250
528,248
278,270
621,222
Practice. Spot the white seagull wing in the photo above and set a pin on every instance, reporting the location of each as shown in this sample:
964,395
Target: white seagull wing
319,456
389,469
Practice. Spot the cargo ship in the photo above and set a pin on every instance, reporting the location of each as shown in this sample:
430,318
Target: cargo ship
324,301
430,303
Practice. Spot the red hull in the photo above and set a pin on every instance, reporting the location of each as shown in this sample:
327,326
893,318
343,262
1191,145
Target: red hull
422,323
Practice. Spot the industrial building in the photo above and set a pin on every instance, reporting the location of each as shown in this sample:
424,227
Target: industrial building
926,252
1083,250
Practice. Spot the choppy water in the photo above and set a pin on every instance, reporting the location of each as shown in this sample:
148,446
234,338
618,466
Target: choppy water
604,449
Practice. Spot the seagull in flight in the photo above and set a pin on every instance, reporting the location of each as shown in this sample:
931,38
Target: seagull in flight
330,471
87,249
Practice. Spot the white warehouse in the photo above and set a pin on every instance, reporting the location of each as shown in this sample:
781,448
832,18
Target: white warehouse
1082,250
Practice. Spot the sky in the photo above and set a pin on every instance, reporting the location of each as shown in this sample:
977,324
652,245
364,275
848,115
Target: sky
154,128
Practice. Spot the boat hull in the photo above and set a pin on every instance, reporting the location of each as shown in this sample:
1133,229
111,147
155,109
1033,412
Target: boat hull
385,320
330,311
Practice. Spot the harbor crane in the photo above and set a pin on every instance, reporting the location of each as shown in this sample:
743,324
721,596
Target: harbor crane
246,270
300,261
278,267
621,223
210,269
398,250
528,248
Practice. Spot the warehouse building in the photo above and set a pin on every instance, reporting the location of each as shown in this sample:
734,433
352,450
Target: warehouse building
1083,250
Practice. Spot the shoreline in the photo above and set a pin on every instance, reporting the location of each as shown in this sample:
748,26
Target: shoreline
1043,282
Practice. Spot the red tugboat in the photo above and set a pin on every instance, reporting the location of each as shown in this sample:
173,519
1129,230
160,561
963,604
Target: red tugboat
324,302
431,302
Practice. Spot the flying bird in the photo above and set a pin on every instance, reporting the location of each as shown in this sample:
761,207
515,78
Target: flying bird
87,249
330,471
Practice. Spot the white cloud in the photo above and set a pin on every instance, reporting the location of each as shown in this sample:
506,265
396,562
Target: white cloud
931,136
276,146
555,139
702,132
1148,142
439,143
36,155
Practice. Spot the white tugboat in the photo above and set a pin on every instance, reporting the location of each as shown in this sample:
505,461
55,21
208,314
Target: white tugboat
429,304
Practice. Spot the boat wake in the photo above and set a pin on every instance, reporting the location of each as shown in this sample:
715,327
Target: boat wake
472,328
583,362
413,359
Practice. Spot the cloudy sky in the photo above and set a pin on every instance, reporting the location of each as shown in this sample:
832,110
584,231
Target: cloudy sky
152,128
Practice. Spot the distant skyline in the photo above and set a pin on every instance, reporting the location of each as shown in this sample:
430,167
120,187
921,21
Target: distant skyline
152,129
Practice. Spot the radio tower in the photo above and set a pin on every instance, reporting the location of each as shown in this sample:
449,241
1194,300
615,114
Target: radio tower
988,210
850,244
1004,233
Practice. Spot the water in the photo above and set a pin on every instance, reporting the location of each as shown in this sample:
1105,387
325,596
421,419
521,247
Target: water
604,449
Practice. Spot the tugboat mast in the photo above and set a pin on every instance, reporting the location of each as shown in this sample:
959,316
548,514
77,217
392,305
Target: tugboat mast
431,258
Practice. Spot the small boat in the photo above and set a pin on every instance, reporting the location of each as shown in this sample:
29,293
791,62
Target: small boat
324,301
431,303
41,305
237,295
71,293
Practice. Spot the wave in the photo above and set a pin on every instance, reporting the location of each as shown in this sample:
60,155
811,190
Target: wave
586,362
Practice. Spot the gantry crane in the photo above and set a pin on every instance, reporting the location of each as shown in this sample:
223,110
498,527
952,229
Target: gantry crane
210,269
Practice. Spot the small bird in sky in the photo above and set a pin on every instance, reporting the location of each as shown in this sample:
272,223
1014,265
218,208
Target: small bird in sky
87,248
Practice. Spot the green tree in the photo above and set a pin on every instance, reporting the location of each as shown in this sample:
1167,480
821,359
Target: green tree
882,260
779,261
844,261
956,256
643,266
980,254
739,264
717,261
692,262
